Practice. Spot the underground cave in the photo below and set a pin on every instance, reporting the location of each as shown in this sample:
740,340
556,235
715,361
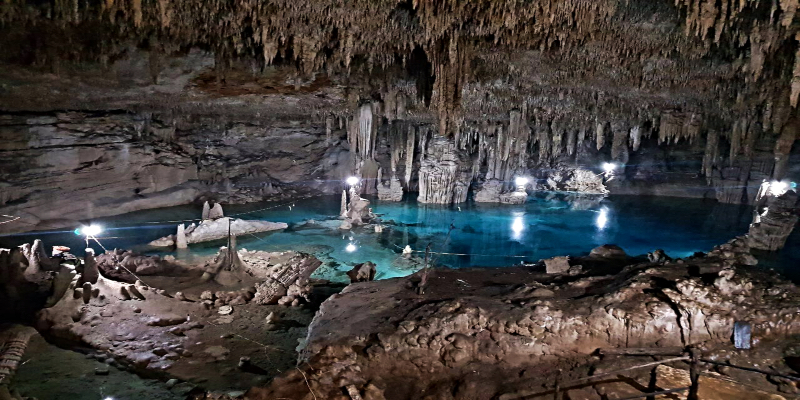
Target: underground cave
399,200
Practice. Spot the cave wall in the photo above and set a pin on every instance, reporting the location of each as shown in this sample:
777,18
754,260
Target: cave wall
59,168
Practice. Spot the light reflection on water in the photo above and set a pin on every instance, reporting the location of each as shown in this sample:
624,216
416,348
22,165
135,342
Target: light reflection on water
485,235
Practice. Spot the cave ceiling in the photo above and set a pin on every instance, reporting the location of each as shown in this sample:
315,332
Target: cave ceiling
568,62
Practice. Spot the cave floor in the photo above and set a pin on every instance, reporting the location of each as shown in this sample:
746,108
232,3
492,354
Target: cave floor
49,373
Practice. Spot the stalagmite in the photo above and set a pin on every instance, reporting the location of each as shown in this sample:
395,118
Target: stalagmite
711,153
215,212
619,144
206,210
180,237
444,176
90,271
12,349
343,206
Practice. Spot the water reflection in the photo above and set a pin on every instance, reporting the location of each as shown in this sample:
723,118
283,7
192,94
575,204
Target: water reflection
602,219
517,227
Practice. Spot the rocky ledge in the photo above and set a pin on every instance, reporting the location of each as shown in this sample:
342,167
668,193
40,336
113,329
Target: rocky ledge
482,333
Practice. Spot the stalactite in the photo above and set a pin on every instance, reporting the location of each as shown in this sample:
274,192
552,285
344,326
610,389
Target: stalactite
739,130
711,154
783,147
619,144
600,134
329,121
795,83
451,69
571,139
410,141
635,137
361,133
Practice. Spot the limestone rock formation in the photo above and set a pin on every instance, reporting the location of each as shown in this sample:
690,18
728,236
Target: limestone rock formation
364,272
771,228
444,337
489,191
392,192
443,174
220,228
285,275
126,265
31,280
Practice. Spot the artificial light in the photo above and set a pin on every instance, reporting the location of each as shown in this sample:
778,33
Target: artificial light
352,181
609,167
521,181
778,188
350,248
91,230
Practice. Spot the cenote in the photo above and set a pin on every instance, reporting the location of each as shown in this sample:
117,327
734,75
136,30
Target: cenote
263,185
483,235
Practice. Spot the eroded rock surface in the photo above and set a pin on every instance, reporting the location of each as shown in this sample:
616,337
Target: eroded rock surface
372,331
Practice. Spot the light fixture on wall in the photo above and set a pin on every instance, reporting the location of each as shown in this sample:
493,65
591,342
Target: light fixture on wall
521,182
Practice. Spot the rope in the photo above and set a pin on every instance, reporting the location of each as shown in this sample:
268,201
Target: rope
466,254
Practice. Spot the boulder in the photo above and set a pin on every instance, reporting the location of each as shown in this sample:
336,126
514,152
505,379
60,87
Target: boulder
364,272
608,251
557,265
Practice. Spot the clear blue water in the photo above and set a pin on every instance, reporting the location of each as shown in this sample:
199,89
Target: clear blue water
548,225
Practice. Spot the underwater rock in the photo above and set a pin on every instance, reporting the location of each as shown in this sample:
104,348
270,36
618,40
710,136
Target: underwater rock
517,197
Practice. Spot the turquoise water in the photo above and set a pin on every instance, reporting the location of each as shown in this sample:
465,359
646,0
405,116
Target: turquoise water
548,225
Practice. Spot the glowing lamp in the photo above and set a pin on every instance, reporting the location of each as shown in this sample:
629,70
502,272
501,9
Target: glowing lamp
609,167
350,248
352,181
778,188
521,181
91,230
